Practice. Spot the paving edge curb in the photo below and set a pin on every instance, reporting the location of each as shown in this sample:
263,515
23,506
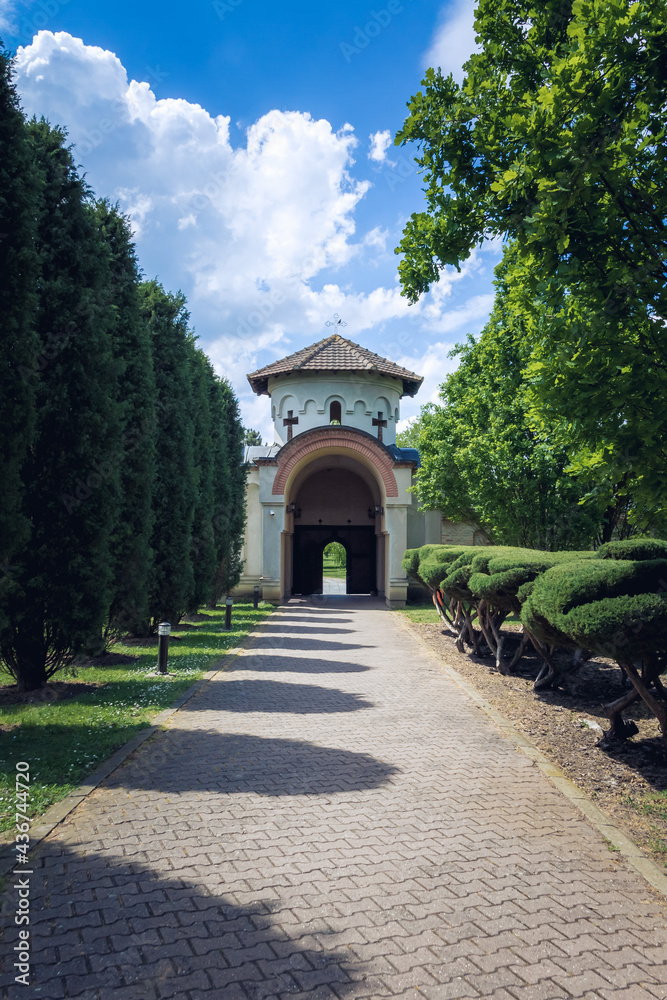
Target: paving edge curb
56,813
633,855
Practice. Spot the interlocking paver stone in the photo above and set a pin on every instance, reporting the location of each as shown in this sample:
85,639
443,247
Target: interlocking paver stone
332,819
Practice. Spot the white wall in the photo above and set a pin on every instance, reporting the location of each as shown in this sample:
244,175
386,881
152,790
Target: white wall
310,394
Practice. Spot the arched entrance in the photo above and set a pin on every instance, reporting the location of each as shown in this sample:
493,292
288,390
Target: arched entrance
360,545
334,501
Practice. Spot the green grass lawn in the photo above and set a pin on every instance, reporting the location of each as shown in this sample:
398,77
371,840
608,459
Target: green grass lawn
423,613
339,572
63,741
653,805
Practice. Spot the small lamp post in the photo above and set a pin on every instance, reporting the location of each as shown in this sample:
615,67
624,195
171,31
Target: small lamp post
228,613
255,596
163,631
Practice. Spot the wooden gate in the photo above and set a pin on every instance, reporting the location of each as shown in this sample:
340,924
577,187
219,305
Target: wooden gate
309,542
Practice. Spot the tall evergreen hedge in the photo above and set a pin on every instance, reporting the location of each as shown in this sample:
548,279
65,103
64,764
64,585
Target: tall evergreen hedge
121,449
134,458
20,348
229,488
175,485
71,495
203,552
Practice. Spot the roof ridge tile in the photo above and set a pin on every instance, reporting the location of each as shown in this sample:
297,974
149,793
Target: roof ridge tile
334,353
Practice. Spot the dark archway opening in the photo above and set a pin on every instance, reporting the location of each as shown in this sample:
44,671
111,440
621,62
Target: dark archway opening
309,543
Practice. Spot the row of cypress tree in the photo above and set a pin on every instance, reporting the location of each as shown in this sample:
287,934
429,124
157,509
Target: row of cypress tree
123,484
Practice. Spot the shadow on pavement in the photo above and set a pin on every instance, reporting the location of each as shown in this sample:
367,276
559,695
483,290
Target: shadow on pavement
278,696
284,625
286,615
296,665
204,760
309,644
104,927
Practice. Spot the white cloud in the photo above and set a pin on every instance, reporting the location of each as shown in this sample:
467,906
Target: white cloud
433,364
380,143
454,39
7,10
276,211
475,309
377,237
255,233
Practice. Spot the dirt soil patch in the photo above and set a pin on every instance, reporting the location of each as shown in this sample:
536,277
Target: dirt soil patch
624,779
53,691
108,660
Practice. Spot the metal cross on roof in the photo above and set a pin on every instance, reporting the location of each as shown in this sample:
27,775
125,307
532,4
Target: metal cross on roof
289,423
379,423
337,321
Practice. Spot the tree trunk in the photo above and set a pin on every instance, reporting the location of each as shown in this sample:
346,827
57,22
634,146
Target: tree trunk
619,729
640,684
525,639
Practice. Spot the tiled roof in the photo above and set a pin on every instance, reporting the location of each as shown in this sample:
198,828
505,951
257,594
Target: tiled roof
334,354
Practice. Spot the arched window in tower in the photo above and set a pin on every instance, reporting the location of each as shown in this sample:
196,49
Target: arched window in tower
335,412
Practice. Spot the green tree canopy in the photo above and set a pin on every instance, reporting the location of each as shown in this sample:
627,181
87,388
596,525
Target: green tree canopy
482,463
251,437
556,142
597,388
556,139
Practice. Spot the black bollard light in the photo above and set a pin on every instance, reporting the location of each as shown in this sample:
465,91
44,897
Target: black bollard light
228,613
164,631
255,597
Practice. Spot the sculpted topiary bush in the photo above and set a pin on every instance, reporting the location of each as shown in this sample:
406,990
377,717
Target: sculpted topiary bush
602,603
456,587
496,582
428,565
500,580
414,559
436,562
615,608
634,548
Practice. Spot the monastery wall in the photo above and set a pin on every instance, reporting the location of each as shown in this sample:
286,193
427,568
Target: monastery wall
312,399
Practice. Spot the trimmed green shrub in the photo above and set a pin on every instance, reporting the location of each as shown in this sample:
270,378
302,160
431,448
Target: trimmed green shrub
634,548
428,563
613,607
410,563
504,578
436,562
456,582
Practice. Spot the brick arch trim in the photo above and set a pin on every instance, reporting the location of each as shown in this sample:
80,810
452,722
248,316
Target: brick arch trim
364,445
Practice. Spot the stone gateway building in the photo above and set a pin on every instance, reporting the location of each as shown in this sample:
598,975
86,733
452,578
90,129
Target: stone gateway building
335,473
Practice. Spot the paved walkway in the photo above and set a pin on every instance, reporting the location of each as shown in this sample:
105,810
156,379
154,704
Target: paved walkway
332,819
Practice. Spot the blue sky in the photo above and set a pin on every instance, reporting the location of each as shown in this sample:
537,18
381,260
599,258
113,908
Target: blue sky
250,143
